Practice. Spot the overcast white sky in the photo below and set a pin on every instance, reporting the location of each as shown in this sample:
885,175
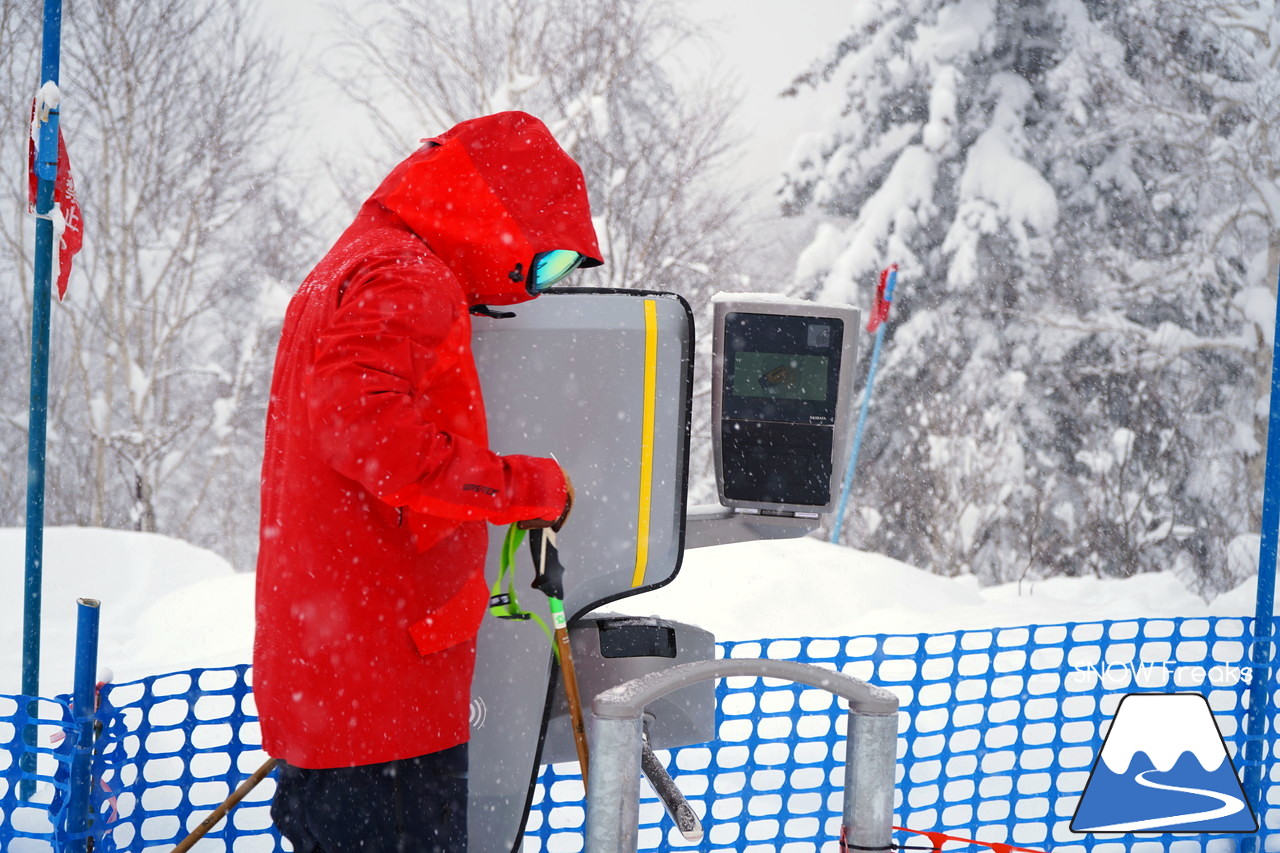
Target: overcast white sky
762,43
767,44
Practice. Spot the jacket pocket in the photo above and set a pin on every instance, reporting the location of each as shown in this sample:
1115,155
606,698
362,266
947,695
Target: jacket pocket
427,530
456,621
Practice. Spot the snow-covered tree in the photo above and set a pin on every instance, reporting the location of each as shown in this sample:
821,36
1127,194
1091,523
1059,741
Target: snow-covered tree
1181,220
595,73
601,75
162,349
1068,386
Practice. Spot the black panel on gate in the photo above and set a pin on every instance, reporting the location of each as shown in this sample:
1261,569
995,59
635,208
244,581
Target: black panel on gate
779,407
631,638
776,463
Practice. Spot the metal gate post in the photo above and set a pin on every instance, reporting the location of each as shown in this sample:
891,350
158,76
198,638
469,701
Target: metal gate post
869,780
613,798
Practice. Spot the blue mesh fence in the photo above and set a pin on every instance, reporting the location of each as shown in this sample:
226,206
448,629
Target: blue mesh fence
26,822
997,737
173,747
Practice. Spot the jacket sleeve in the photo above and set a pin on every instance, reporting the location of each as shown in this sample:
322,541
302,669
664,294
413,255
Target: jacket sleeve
400,327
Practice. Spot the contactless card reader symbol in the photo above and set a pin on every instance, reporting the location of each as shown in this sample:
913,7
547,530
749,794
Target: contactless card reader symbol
1163,768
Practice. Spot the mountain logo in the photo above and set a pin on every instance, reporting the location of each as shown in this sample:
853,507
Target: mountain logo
1163,768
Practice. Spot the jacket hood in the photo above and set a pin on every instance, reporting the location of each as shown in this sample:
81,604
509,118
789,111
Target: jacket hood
488,195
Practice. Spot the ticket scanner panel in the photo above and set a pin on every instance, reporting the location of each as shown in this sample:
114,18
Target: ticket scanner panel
780,406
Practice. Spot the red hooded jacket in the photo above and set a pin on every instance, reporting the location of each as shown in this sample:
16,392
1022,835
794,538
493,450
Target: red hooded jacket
377,479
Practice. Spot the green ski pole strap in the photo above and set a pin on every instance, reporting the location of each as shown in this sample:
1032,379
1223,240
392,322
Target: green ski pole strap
503,601
505,605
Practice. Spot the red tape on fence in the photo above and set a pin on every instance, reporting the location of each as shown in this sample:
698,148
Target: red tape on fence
936,840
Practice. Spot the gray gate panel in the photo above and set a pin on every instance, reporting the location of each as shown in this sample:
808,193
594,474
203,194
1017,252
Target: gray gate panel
600,380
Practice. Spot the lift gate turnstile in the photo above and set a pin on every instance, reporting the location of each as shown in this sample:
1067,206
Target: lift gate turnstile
602,381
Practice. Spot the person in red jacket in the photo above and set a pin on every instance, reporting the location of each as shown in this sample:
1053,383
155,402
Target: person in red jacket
378,482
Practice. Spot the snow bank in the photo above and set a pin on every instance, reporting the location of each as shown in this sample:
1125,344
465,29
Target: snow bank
168,605
811,588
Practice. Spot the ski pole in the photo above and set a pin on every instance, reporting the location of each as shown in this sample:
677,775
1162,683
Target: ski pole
879,315
570,684
227,805
550,580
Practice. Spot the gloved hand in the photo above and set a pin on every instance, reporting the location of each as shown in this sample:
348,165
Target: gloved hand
568,502
535,523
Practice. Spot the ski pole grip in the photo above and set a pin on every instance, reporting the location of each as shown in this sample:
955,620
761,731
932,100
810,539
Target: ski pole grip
548,570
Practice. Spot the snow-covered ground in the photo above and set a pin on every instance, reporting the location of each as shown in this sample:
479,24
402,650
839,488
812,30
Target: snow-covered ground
167,605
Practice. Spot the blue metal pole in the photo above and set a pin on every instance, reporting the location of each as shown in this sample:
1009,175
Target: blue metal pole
1263,626
46,173
847,485
84,700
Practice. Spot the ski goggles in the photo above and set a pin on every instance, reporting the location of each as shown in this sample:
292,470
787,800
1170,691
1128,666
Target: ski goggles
550,267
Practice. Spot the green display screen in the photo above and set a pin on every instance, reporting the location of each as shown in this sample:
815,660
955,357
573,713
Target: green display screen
780,376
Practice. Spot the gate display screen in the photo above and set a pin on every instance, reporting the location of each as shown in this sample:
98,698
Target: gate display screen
780,376
781,368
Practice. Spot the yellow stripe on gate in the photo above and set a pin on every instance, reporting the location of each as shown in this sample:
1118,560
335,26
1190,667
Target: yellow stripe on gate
646,440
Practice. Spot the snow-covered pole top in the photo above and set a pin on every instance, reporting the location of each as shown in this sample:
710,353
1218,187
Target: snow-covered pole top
44,132
44,129
773,298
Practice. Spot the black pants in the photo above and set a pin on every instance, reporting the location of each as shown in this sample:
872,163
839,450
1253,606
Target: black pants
414,805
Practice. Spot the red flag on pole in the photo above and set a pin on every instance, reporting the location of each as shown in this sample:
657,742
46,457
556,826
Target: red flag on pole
880,310
68,225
